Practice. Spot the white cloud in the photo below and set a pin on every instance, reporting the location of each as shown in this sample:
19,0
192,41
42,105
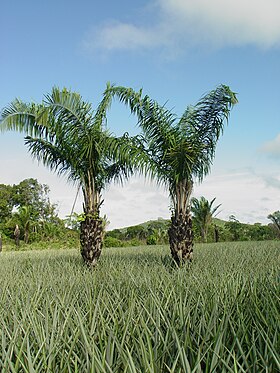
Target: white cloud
180,23
117,35
230,21
272,147
243,193
141,201
272,181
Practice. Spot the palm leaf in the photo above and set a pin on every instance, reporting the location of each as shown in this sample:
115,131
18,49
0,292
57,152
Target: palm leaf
56,158
25,118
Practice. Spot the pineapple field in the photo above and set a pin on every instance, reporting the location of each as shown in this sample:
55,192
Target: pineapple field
136,312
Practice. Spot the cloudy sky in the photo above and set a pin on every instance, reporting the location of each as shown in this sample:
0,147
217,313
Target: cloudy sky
176,50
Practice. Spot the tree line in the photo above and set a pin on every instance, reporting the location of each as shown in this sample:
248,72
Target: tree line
156,232
27,206
68,136
27,214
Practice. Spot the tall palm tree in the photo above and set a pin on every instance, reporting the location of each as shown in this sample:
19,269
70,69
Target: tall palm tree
25,218
65,134
179,151
203,212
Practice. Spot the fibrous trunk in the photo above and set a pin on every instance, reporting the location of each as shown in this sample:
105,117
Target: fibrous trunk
17,234
26,236
91,239
203,235
181,238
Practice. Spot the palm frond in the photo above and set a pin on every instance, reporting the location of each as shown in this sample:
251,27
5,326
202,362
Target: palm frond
204,123
135,154
155,120
72,115
203,209
214,209
116,172
57,158
103,107
22,117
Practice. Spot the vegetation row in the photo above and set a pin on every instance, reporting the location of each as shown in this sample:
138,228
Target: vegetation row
28,207
135,313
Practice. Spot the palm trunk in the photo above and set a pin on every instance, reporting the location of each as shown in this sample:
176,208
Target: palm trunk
181,238
26,234
216,233
180,233
203,235
91,239
17,234
92,230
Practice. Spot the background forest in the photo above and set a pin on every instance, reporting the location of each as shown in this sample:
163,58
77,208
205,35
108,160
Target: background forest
28,205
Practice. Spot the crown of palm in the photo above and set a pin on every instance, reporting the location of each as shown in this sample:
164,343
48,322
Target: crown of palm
179,149
70,138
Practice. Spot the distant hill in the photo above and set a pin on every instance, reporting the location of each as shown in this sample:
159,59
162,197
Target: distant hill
219,222
162,222
156,231
158,222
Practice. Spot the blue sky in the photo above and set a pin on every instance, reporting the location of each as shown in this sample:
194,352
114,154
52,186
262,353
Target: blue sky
176,50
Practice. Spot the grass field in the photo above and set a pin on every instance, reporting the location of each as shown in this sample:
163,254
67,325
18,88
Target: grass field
135,313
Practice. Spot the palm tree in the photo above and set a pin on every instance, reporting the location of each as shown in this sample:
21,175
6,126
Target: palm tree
178,151
275,218
25,218
65,134
203,212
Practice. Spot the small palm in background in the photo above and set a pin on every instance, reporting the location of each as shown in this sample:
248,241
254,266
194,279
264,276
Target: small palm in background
203,212
275,219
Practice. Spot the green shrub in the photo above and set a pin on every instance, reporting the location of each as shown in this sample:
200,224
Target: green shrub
133,242
113,242
151,240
